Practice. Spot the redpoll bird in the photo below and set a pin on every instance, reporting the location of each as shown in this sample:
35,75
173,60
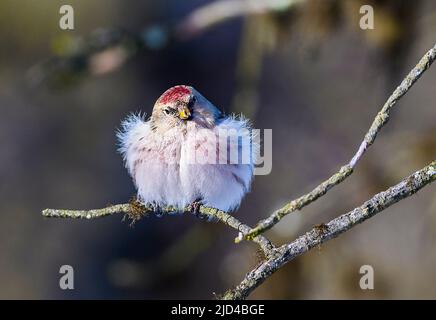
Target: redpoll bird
180,156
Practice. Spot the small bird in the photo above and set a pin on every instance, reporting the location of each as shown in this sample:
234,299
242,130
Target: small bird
180,156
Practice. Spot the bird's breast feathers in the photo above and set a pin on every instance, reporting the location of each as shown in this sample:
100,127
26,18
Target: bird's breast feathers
182,166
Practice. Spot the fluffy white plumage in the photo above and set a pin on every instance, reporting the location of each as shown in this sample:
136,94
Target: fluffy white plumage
170,156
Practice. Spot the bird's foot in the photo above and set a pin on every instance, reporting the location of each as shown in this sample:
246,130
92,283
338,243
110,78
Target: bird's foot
137,211
157,210
196,208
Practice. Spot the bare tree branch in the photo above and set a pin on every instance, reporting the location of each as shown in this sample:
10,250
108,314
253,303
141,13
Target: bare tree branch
332,229
380,120
277,257
136,211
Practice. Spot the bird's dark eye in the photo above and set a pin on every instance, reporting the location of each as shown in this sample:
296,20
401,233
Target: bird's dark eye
169,111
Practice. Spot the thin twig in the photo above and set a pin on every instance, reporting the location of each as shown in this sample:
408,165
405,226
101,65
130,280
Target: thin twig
380,120
135,210
332,229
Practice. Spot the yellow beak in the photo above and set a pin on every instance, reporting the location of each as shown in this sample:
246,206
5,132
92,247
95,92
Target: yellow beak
184,113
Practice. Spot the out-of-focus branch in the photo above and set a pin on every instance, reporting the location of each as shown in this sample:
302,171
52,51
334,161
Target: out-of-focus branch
324,232
107,49
380,120
216,12
136,211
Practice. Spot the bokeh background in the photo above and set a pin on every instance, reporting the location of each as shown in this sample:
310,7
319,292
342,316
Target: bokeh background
306,71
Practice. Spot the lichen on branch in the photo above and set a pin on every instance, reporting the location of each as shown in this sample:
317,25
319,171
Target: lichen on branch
332,229
277,257
136,210
380,120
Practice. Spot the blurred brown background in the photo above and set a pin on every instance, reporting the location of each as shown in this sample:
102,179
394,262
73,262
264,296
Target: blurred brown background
308,72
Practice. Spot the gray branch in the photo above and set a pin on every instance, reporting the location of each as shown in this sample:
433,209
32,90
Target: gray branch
380,120
324,232
277,257
136,211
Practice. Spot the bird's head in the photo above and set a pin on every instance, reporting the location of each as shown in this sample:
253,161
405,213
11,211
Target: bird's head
181,105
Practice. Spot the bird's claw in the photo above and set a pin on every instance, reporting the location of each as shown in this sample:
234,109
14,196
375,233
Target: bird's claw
157,210
196,207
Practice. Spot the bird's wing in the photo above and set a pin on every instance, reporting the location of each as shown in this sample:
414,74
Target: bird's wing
221,174
242,147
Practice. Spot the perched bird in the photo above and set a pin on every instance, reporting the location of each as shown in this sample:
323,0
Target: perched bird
181,155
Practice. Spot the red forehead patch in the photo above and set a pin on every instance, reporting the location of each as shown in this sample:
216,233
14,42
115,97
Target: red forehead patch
175,93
